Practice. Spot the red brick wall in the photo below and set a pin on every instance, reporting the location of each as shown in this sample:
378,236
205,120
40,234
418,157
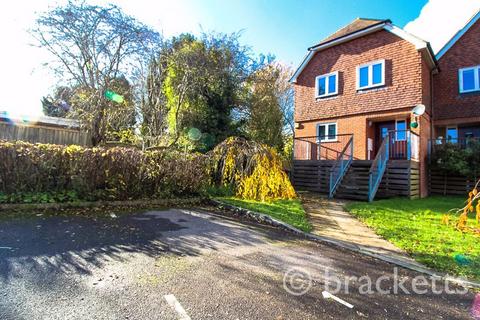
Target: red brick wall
448,102
356,124
403,76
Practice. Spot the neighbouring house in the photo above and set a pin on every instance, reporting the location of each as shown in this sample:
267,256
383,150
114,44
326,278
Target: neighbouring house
456,88
355,133
42,129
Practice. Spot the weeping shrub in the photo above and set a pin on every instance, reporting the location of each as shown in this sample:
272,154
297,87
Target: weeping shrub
250,169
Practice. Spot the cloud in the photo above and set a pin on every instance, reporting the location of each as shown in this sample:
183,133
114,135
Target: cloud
168,17
24,80
439,20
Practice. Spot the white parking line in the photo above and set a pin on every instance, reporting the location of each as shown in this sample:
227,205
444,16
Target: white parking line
328,295
173,302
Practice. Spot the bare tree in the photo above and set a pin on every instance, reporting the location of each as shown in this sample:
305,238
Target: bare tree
92,46
285,95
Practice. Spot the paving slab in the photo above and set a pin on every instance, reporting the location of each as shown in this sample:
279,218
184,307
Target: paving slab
330,219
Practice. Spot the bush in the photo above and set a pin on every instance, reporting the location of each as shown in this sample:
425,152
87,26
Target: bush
252,170
97,173
452,158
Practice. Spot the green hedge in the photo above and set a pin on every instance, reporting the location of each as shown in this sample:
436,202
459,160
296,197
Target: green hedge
98,173
452,158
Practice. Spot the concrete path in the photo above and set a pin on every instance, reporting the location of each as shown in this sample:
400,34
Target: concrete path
330,220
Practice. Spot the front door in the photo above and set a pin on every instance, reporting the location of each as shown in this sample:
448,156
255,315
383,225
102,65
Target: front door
382,131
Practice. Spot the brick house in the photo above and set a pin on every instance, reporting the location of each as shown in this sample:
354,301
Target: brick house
355,131
456,88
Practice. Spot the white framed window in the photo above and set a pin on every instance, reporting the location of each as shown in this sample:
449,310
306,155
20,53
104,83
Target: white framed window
371,75
401,130
326,85
327,132
469,79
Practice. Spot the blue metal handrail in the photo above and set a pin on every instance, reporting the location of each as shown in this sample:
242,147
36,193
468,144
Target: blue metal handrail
378,168
340,167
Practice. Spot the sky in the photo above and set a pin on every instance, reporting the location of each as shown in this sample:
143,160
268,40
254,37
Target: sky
285,28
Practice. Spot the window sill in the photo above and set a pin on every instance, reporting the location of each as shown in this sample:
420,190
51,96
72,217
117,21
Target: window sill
372,88
328,141
470,92
326,97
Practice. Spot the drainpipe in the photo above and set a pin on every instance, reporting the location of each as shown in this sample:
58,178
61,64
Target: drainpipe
431,100
431,115
432,127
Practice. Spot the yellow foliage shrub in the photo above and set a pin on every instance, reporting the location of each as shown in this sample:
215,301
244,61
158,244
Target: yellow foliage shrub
462,222
268,181
252,170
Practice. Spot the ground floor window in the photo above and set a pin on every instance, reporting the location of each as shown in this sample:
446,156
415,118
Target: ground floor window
452,134
327,132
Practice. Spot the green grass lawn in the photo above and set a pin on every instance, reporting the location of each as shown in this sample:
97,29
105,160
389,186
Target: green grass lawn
415,226
288,211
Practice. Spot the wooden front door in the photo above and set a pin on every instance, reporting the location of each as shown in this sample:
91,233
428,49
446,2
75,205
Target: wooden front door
382,129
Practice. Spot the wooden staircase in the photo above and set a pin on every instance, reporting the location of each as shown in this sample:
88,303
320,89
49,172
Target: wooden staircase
354,184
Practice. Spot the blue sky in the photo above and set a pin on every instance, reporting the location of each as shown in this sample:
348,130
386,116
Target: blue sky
285,28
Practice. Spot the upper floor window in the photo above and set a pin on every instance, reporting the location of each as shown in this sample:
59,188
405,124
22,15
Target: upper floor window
326,85
469,79
371,75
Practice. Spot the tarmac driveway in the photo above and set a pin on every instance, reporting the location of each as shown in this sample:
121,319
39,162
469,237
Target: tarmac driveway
176,264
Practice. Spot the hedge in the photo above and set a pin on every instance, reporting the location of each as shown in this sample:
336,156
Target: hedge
99,173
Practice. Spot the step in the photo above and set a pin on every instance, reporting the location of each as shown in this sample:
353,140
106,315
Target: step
346,190
352,197
362,162
352,192
353,187
355,180
355,191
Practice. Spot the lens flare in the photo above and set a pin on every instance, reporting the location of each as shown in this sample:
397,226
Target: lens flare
19,119
476,307
194,134
113,96
462,260
5,117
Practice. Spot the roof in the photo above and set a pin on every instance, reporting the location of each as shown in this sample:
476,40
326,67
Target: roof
361,27
40,120
355,26
458,35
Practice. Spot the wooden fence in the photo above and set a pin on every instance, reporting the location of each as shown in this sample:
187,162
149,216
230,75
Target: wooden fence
449,184
401,178
312,175
34,134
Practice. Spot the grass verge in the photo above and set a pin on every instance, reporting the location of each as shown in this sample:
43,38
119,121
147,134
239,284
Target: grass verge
288,211
415,226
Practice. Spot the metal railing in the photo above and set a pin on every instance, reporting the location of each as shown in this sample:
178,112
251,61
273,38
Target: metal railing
319,148
377,168
404,145
340,167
